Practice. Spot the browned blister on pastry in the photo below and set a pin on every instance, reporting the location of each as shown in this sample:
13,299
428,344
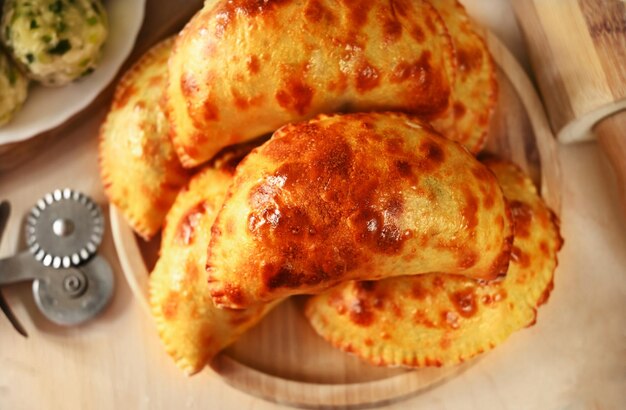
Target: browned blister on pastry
358,196
442,319
140,170
192,329
242,68
475,87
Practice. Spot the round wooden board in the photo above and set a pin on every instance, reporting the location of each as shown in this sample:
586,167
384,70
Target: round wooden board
282,359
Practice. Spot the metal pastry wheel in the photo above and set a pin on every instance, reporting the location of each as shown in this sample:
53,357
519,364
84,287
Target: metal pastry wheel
71,283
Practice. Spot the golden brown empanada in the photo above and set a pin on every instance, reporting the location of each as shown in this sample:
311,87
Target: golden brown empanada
140,170
358,196
192,329
475,88
441,319
243,68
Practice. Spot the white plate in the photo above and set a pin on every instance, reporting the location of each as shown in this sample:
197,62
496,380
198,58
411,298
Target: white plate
46,108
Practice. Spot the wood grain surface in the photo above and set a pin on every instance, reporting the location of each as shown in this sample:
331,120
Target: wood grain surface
611,133
573,358
282,359
577,49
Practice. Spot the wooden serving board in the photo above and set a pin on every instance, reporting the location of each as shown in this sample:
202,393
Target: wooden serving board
282,359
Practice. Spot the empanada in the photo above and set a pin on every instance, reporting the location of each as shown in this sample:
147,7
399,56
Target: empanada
475,88
192,329
243,68
139,167
358,196
442,319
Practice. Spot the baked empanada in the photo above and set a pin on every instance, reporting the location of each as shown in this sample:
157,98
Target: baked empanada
441,319
243,68
139,167
475,88
192,329
358,196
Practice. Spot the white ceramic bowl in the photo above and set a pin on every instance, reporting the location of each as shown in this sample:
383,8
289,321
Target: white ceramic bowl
46,108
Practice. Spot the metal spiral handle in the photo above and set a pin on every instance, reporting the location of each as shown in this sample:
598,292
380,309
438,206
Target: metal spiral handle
71,283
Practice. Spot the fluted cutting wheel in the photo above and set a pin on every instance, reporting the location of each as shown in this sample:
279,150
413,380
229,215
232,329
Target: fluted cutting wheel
64,229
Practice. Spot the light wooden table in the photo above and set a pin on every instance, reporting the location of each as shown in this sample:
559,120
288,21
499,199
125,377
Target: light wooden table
574,357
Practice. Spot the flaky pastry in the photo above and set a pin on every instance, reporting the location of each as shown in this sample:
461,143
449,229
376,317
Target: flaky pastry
192,329
475,87
243,68
139,167
442,319
357,196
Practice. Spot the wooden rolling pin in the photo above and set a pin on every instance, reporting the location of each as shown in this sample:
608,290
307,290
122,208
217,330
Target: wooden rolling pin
578,53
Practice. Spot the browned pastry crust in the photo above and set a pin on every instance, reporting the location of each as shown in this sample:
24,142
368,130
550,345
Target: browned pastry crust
475,87
140,171
192,329
358,196
441,319
243,68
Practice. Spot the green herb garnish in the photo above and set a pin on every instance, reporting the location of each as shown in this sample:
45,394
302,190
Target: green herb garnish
33,24
92,21
87,72
56,7
61,47
30,58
